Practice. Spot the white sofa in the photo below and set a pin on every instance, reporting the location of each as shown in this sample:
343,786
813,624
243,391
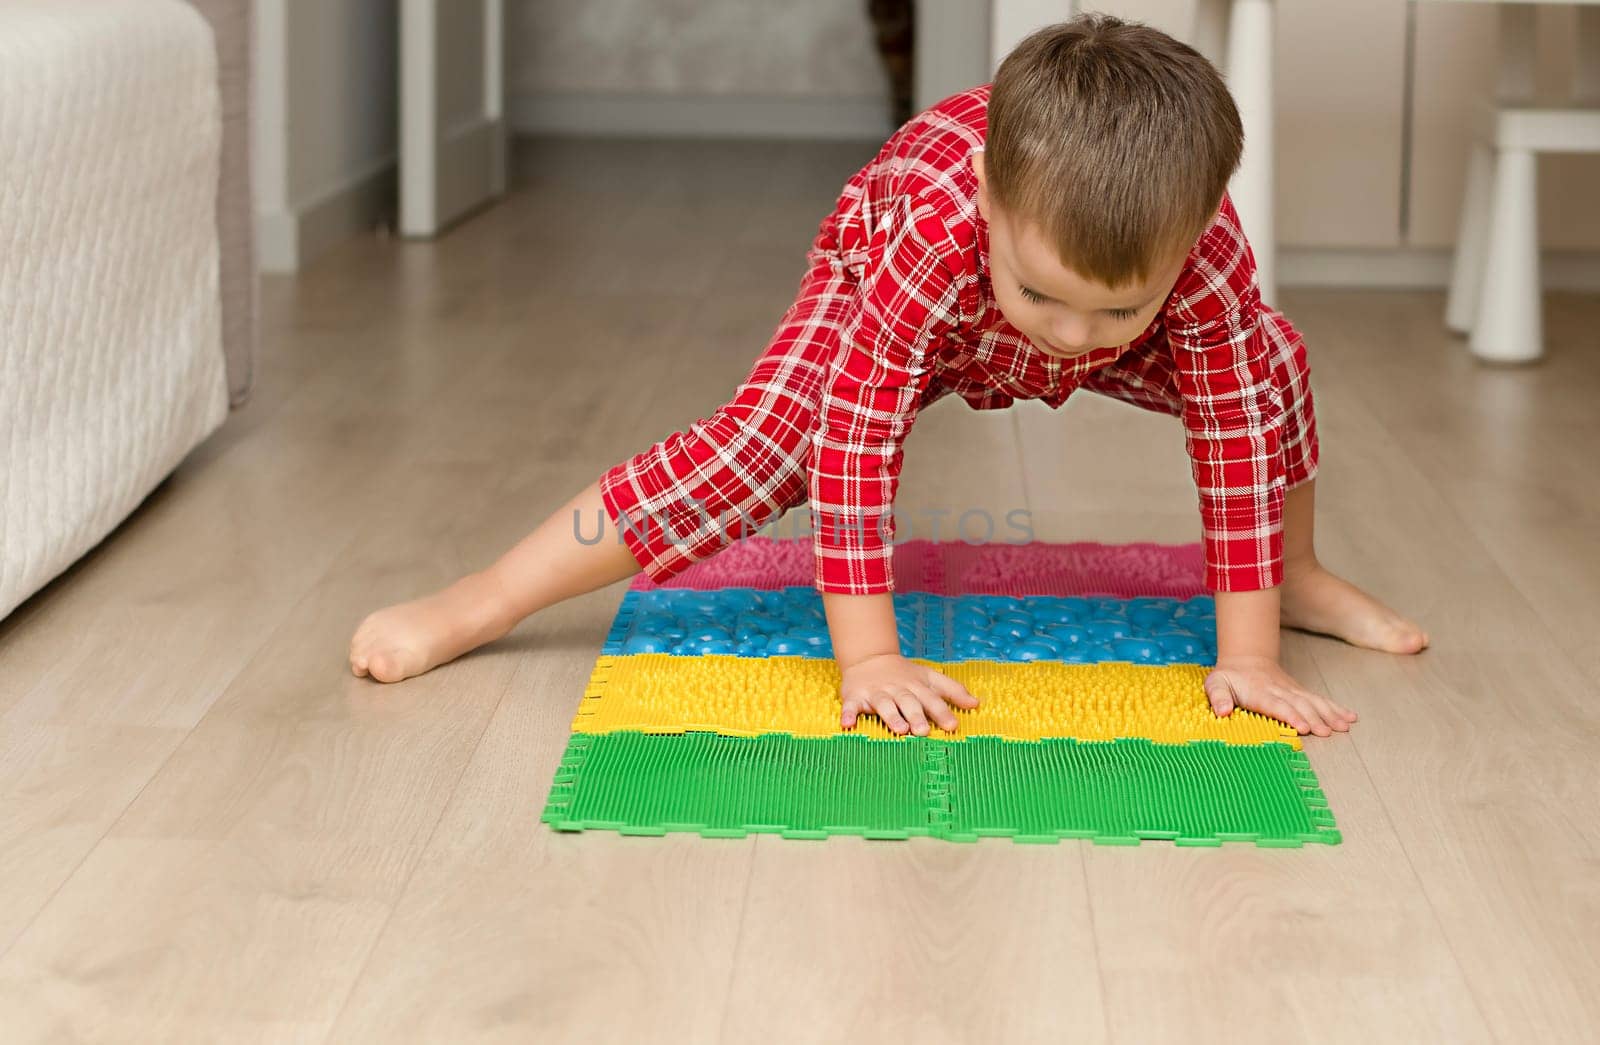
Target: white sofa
127,282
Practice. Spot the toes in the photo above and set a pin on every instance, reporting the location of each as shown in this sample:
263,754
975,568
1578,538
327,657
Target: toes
387,666
1407,638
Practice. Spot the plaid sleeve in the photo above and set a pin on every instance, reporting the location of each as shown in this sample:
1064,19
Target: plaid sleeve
1232,413
905,302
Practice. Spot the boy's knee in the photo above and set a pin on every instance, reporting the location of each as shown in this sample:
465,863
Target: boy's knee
760,438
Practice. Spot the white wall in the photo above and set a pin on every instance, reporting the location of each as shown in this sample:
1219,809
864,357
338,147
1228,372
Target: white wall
771,68
953,42
326,127
1356,203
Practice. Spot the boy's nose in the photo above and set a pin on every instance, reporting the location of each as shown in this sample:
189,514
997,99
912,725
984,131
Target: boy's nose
1071,339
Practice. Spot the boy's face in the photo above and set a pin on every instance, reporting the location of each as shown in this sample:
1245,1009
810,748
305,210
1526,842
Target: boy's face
1061,312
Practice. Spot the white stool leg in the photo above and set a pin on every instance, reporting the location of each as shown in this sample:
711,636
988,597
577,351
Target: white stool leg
1509,325
1466,270
1250,80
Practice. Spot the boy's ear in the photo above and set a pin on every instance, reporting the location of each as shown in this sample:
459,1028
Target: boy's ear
983,192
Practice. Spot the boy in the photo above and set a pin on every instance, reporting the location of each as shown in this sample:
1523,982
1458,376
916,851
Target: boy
1065,227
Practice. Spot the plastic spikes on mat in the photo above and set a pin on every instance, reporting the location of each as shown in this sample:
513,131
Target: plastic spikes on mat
714,708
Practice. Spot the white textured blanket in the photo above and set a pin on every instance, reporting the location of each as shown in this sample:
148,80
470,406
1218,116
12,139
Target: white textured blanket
111,367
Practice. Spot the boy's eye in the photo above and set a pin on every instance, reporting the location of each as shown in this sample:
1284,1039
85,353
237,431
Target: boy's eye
1115,313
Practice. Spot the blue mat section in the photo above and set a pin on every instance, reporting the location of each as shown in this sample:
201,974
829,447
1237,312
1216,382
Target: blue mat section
750,622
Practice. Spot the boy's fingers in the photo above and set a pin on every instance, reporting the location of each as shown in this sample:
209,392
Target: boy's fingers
1281,709
911,707
930,704
939,712
1220,693
1313,721
1317,706
1313,717
883,704
1330,713
1343,711
952,691
1317,711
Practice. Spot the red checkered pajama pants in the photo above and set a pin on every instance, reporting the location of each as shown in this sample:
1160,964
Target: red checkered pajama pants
722,478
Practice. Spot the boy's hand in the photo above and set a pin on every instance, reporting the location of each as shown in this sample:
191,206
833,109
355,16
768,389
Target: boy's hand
1259,684
903,693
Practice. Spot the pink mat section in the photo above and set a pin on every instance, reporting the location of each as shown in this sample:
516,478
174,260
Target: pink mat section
1086,568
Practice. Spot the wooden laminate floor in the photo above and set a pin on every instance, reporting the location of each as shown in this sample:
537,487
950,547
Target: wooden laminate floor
212,832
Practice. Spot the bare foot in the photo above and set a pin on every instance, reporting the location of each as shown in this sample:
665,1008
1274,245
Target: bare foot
409,638
1316,600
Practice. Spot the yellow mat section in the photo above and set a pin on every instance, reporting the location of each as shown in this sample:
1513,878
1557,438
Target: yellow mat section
743,696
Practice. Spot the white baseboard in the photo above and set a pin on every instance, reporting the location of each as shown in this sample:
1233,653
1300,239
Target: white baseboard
701,116
287,240
1417,268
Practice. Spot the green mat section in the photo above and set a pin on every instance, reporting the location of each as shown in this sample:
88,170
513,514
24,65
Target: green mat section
1116,793
721,786
1123,791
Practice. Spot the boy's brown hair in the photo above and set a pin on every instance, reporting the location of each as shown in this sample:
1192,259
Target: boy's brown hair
1114,139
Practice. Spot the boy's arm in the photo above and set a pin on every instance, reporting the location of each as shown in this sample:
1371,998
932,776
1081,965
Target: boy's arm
1232,415
1232,418
1247,625
861,626
905,302
1248,674
875,679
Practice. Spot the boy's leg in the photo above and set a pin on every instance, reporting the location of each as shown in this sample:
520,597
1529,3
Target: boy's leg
725,476
1297,444
1313,599
671,505
545,567
699,490
558,561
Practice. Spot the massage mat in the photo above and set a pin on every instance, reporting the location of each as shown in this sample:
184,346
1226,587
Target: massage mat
714,708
